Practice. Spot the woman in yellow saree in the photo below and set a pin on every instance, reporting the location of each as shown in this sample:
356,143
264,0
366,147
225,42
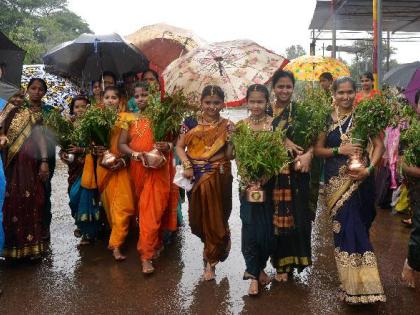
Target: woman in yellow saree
205,151
114,183
157,210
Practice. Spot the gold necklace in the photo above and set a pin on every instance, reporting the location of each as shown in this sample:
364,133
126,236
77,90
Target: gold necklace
256,122
343,134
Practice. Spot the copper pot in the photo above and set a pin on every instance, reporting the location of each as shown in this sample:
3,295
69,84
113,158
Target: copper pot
355,161
255,194
68,157
153,159
108,159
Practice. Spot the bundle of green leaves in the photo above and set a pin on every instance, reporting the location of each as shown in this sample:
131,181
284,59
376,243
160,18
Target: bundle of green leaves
371,116
260,154
95,126
311,112
166,115
410,140
61,127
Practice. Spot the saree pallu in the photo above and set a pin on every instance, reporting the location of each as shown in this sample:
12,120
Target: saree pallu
25,196
2,192
414,242
352,208
156,194
257,237
116,191
210,200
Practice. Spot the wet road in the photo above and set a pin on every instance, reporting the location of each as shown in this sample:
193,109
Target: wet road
86,280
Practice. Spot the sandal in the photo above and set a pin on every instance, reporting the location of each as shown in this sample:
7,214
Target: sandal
407,275
264,279
147,267
117,255
281,277
209,272
253,288
408,222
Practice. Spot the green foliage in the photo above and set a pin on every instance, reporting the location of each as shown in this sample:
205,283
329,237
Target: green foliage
295,51
259,153
167,115
38,25
61,127
410,139
371,116
95,126
312,110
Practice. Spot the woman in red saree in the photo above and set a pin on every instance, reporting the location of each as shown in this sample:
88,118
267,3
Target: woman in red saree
367,91
205,151
25,159
156,204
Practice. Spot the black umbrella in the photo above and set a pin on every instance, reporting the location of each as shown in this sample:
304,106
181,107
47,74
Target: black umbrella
6,91
11,60
89,55
401,75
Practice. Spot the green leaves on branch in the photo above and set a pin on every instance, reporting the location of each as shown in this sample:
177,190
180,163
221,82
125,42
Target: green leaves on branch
260,154
61,127
167,115
311,112
95,126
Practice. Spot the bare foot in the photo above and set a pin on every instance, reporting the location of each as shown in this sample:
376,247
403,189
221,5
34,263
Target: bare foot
263,278
281,277
253,288
117,255
407,275
158,252
209,272
147,267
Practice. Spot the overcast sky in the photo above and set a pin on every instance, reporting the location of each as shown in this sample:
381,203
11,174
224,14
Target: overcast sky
275,24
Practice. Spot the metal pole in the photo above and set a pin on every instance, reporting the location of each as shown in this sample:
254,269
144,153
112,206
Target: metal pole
375,42
388,48
334,31
380,48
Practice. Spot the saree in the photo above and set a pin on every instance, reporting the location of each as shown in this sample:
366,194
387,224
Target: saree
25,195
84,200
2,192
292,218
116,190
210,200
351,205
414,241
156,194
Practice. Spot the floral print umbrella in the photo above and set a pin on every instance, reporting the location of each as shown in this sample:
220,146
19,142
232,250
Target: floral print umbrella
309,68
60,90
233,65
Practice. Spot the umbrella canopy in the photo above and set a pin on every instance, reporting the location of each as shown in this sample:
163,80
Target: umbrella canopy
401,75
11,58
232,65
163,43
413,87
6,91
60,90
89,55
309,68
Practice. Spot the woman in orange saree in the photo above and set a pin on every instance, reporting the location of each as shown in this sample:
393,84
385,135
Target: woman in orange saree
205,151
153,186
114,183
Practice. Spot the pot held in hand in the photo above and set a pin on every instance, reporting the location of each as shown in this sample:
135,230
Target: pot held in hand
153,159
255,194
68,157
356,161
108,159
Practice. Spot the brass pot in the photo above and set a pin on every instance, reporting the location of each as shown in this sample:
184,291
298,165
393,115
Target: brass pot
153,159
255,194
355,161
108,159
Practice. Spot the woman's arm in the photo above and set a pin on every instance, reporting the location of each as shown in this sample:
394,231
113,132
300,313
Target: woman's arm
410,170
182,155
347,149
44,171
123,143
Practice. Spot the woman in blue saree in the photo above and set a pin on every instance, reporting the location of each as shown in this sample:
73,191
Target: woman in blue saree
350,200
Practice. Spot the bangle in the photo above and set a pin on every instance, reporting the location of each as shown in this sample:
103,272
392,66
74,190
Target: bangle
371,168
135,156
187,164
335,151
123,161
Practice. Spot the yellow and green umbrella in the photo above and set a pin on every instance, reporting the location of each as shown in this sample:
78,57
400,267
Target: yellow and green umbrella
309,68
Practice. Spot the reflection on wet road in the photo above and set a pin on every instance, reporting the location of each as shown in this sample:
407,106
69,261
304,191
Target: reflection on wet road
86,280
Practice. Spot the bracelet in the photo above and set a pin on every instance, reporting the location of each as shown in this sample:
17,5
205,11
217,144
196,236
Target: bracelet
135,156
335,151
123,161
187,164
371,168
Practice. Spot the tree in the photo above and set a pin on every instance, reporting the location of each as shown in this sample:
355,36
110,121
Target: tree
362,60
295,51
38,25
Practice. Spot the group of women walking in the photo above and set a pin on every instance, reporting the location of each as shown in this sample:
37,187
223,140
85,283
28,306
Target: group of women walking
278,229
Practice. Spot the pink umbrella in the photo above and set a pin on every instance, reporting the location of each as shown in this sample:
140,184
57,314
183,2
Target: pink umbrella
413,87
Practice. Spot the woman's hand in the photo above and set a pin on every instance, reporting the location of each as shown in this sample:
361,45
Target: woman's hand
359,174
303,162
3,141
75,150
297,150
98,150
188,173
350,149
163,146
119,164
230,127
44,171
